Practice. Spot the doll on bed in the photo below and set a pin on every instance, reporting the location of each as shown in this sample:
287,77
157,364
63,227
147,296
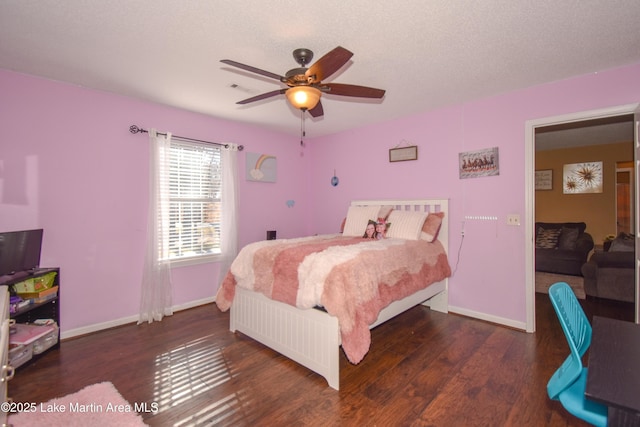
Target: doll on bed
381,228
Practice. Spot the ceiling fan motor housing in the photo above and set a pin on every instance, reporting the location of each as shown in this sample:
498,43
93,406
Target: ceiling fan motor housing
303,56
296,77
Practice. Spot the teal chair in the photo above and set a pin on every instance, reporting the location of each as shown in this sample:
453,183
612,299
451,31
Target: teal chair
568,383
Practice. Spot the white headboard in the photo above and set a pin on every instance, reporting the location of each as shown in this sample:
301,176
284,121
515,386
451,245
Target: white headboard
417,205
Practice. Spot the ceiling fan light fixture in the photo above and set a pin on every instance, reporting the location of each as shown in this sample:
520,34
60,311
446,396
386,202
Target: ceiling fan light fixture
303,97
304,85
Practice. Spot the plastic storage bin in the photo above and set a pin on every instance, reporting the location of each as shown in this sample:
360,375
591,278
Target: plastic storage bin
20,354
46,342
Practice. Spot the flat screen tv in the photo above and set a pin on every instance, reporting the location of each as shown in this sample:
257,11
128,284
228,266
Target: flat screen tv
20,251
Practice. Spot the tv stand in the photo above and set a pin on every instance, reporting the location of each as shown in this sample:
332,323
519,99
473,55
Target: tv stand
42,308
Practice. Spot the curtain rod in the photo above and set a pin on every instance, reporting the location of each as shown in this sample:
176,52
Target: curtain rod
135,129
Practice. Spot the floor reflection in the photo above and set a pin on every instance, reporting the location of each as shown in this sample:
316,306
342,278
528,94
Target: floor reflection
195,369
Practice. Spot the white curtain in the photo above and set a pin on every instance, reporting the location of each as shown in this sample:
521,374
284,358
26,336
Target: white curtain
229,198
156,298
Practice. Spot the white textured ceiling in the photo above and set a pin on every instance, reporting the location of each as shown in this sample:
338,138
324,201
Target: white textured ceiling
426,54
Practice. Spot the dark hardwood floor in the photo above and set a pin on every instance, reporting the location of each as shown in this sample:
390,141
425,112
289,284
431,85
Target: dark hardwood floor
424,369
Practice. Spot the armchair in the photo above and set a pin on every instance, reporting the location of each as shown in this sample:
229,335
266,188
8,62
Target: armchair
611,274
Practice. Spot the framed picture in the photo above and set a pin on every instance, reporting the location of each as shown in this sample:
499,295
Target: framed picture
403,154
544,179
261,167
474,164
579,178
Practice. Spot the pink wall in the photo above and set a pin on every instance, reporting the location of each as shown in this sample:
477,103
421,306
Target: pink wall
490,276
69,164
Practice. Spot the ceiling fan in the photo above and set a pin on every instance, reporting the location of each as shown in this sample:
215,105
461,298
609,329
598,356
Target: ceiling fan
305,85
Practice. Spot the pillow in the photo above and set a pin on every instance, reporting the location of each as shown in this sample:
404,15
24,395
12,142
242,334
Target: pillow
568,238
581,226
622,244
406,224
384,212
547,238
431,226
357,219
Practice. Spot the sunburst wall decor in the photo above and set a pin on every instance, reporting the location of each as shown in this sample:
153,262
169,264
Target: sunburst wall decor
581,178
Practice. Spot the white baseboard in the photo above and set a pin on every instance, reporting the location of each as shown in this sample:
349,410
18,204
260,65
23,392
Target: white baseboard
125,320
488,318
132,319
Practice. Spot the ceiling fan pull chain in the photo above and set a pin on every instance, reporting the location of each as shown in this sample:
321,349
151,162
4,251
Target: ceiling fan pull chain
302,131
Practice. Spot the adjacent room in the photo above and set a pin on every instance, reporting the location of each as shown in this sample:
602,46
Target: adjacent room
152,152
602,213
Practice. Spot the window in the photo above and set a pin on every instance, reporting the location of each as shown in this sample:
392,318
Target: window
195,183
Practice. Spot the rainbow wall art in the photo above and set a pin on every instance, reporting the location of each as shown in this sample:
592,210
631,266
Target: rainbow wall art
261,167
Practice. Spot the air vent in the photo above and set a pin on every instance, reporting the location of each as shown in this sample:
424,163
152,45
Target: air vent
243,88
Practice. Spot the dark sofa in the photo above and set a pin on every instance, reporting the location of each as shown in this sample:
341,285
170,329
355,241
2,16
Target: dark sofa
562,247
611,274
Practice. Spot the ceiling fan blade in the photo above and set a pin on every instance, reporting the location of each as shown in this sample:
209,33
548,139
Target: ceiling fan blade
328,64
353,90
262,96
252,69
317,111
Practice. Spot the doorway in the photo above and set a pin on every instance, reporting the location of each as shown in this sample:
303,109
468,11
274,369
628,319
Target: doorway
625,193
530,147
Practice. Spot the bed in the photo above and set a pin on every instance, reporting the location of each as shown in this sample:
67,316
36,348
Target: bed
307,308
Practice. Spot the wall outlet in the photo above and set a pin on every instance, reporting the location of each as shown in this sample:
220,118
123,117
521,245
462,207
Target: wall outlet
513,219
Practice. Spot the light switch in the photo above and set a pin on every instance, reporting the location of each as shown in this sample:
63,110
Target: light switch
513,219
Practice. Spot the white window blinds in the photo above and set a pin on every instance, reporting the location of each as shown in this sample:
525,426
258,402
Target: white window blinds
194,200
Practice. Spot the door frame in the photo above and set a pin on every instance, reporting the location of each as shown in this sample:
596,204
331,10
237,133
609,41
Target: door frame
632,192
529,170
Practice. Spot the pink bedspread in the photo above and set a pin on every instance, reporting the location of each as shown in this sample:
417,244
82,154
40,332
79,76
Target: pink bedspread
351,277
